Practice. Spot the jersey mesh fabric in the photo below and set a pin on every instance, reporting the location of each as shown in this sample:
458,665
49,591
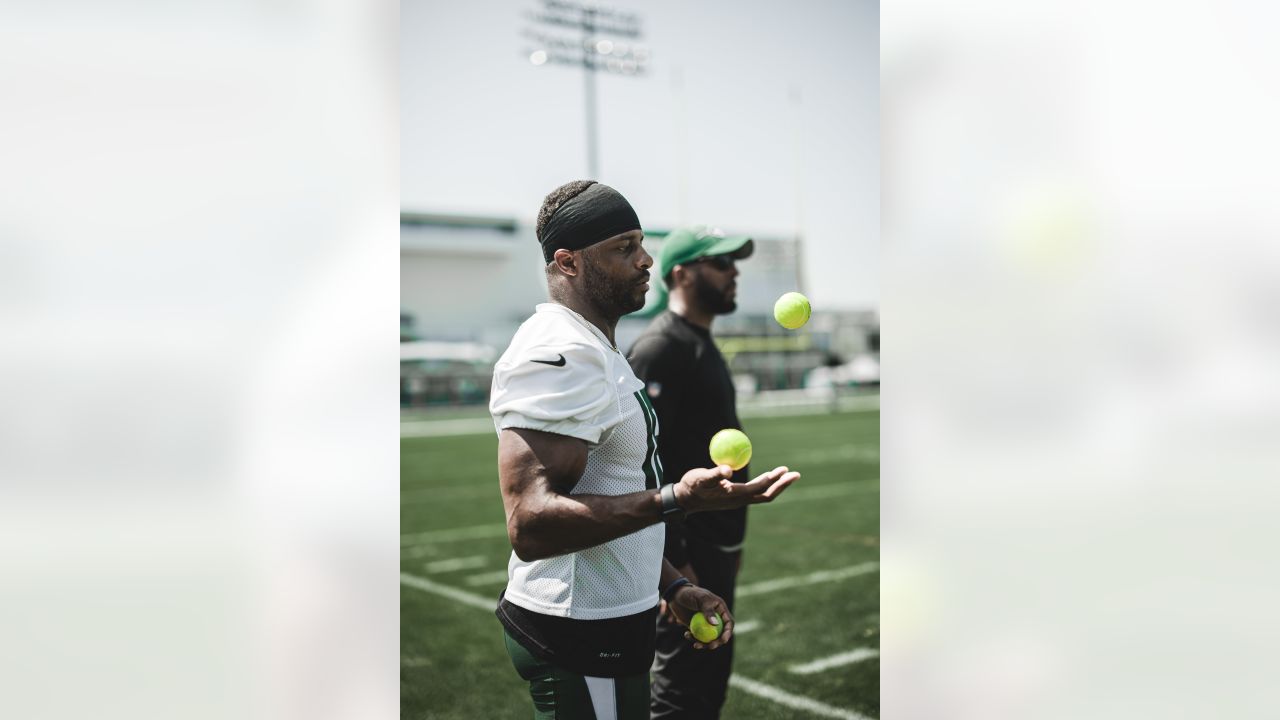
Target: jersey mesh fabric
592,396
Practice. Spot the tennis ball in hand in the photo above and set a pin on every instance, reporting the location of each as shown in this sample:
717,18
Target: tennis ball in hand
731,447
703,631
792,310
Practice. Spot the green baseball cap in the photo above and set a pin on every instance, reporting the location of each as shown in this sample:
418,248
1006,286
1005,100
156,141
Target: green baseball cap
687,244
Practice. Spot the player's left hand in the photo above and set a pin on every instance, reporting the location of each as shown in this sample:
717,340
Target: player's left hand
691,599
704,489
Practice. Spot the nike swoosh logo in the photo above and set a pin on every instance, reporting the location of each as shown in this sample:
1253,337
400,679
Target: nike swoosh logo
552,363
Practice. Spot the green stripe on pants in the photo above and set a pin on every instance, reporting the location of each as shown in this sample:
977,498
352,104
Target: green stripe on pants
560,694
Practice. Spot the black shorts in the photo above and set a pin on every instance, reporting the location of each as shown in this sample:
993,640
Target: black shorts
562,694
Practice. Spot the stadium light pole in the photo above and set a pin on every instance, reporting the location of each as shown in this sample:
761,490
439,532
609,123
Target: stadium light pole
795,95
589,93
593,50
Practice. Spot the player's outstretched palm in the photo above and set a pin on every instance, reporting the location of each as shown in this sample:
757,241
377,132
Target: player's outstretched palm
711,489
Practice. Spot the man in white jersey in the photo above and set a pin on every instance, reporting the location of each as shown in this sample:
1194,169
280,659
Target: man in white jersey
581,480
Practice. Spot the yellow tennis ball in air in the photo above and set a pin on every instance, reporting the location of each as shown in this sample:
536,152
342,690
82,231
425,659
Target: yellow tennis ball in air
703,631
731,447
792,310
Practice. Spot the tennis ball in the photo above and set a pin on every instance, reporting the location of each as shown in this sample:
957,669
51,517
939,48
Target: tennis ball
703,631
792,310
731,447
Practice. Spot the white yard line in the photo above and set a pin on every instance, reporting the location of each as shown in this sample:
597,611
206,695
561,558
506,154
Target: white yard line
860,403
791,700
806,405
810,579
844,658
462,596
446,428
460,563
475,532
421,551
489,578
745,627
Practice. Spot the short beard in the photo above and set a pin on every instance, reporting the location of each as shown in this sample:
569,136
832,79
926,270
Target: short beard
614,300
712,300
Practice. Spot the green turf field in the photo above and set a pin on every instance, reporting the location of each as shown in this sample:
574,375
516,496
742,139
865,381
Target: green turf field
821,540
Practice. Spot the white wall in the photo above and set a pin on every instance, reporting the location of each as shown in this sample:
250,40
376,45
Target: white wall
469,284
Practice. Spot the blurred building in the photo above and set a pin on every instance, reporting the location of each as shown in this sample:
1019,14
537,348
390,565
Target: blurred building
468,282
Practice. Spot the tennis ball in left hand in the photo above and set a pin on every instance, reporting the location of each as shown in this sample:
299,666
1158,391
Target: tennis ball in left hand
703,631
731,447
792,310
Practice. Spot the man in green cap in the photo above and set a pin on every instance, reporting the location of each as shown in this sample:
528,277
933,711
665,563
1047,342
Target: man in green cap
691,390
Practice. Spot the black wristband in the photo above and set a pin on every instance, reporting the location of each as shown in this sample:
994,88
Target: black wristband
675,585
671,510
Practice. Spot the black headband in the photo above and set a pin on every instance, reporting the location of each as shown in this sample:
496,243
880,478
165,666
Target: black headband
597,213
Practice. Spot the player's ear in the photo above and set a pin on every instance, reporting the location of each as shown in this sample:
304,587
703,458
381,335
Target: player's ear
566,262
681,276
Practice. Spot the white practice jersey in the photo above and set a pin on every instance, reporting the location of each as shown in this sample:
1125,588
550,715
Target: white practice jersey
561,375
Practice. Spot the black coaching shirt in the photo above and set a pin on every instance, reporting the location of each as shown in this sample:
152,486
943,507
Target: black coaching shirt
689,385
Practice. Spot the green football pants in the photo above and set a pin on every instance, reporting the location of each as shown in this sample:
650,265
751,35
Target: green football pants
560,694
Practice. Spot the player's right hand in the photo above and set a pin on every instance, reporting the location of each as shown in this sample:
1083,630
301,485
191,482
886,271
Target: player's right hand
711,488
691,599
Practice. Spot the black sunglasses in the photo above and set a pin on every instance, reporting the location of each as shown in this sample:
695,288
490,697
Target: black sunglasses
719,262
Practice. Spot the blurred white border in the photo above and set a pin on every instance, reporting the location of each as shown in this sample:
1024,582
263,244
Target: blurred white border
198,435
1080,401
